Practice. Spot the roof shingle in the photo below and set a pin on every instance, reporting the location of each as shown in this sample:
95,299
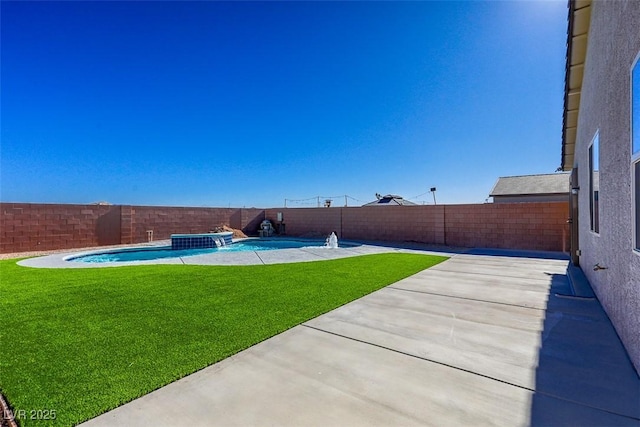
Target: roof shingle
553,183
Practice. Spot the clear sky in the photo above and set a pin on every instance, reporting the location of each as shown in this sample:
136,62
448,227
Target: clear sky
247,104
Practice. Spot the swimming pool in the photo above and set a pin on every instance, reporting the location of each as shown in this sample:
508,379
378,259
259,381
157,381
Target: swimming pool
161,252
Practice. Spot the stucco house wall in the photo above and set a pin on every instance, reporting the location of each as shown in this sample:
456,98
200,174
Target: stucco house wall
605,107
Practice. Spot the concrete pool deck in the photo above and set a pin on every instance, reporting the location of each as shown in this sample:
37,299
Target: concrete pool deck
484,338
279,256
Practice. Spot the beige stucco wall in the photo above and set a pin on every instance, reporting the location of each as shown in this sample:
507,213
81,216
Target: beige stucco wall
614,43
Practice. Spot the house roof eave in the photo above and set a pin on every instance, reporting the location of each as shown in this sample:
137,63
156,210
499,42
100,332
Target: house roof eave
579,20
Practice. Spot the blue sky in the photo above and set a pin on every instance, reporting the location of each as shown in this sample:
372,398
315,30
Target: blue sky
246,104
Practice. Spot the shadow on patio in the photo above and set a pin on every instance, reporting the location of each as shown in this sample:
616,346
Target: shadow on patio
584,376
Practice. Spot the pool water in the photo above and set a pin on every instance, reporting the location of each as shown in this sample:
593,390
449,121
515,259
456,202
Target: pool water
161,252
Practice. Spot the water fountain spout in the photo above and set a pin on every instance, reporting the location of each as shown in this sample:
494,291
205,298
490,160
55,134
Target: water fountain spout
332,241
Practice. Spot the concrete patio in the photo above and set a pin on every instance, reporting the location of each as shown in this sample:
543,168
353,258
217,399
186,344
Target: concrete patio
485,338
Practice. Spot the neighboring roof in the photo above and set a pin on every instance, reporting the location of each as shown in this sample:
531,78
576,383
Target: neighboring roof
390,200
577,37
553,183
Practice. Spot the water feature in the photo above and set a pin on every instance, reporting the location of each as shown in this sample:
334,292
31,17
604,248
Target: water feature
332,241
201,241
218,242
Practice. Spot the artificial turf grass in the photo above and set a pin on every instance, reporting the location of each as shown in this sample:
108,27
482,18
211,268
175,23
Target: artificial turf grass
84,341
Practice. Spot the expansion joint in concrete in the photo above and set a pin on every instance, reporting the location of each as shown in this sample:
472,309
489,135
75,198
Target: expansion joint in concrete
471,372
259,257
474,273
465,298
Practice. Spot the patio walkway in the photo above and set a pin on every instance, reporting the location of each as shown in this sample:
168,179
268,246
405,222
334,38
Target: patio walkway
481,339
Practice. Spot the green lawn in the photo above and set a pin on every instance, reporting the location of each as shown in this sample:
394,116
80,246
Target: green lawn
83,341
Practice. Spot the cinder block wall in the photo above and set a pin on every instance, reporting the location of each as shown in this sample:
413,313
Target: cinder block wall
32,227
308,221
535,226
247,220
167,220
401,223
164,221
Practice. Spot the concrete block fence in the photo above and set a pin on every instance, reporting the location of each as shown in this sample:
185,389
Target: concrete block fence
534,226
531,226
35,227
32,227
